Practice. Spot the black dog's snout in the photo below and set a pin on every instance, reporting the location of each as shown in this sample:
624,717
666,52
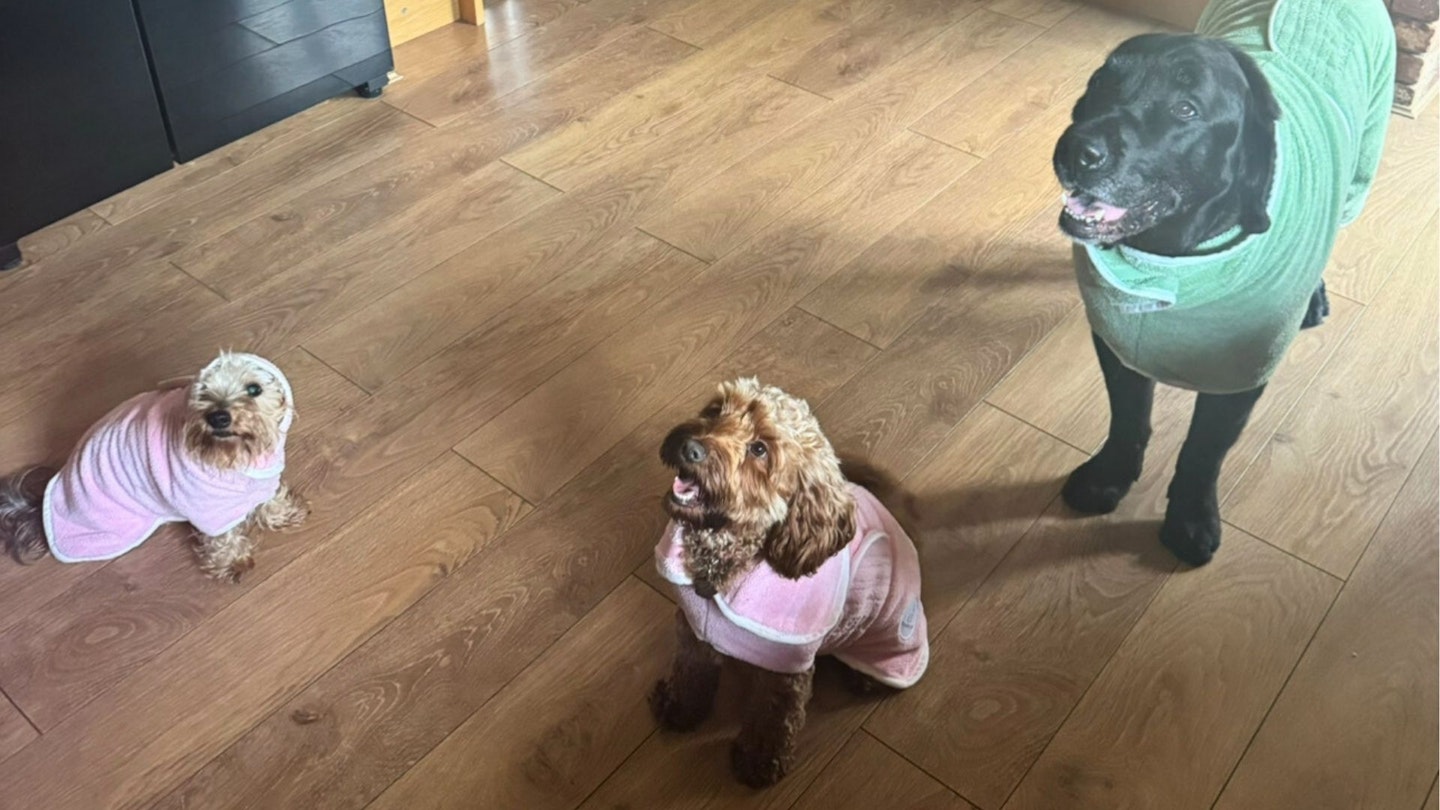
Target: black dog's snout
692,451
1091,154
218,419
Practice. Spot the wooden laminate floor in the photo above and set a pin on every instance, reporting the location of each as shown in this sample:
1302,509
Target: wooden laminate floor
495,288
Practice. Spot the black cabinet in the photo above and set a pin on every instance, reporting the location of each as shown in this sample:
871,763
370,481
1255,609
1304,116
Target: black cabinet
100,94
81,120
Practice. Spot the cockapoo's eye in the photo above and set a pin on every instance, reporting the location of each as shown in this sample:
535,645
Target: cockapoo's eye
253,389
758,449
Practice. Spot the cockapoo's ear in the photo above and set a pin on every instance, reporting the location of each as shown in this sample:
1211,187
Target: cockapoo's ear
819,523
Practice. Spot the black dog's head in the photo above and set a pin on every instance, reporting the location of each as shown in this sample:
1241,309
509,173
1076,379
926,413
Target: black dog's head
1172,143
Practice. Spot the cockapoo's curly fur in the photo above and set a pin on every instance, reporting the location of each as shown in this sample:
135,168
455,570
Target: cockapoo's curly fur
756,479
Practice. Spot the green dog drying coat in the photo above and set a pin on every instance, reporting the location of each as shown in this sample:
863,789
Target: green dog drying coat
1220,320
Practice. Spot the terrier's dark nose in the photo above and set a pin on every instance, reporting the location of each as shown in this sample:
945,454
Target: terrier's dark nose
218,419
692,451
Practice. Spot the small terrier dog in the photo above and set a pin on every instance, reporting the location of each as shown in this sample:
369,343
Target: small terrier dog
778,556
208,451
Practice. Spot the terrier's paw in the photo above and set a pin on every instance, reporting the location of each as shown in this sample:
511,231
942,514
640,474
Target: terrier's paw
757,768
228,571
1096,487
674,714
1191,531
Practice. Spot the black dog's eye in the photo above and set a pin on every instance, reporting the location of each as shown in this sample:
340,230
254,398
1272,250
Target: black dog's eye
758,449
1184,110
253,389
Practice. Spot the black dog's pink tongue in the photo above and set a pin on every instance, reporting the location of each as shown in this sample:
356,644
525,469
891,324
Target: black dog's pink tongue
1083,206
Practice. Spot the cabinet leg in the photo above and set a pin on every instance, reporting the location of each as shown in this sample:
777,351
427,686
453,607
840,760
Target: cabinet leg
9,256
372,88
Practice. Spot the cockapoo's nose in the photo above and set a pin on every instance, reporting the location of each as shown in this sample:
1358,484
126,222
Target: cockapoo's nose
218,419
692,451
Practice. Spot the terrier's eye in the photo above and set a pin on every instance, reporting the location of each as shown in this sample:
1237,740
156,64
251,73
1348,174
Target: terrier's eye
758,449
253,389
711,411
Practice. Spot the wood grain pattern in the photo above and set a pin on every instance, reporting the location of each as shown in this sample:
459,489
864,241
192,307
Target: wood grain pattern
59,237
1018,655
557,731
580,33
1362,703
1185,692
977,494
182,708
881,34
15,731
434,53
866,774
908,400
460,295
957,236
1372,248
409,686
1344,451
754,194
434,160
92,267
512,19
192,177
109,623
539,443
1047,72
1059,389
704,24
1040,12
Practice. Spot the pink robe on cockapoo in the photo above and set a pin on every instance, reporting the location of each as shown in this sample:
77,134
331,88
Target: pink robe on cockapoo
862,606
131,474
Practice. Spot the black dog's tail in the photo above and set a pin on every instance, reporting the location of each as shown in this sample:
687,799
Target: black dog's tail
22,523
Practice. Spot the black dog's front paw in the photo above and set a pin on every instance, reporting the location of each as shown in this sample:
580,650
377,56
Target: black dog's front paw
672,712
1192,531
1097,486
1318,310
757,768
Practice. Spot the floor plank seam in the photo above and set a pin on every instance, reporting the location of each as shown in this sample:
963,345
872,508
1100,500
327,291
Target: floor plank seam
411,115
801,306
798,87
1389,507
917,766
1401,256
337,373
537,178
1057,21
1025,421
649,26
109,223
942,143
187,274
674,246
1129,632
1434,783
21,711
487,474
1292,555
1276,699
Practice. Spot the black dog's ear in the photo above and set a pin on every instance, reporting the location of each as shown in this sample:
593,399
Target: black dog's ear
820,521
1257,145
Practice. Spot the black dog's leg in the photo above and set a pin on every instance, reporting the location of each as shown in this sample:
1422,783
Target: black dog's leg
1319,308
1192,520
1096,487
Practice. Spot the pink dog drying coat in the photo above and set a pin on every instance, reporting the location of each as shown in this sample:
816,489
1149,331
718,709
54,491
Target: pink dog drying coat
862,606
130,474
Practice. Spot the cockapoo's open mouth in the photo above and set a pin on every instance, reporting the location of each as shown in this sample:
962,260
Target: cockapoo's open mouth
684,491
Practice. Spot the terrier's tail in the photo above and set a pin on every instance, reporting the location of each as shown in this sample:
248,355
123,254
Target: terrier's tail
22,526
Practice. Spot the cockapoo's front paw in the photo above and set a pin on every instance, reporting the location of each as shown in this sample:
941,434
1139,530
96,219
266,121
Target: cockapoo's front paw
674,714
757,768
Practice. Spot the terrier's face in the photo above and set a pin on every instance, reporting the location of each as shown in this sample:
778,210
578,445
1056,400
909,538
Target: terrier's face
236,408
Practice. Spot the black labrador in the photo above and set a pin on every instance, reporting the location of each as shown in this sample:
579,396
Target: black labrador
1173,143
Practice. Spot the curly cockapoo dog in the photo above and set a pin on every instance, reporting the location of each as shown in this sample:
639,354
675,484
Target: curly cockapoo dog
776,559
209,453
